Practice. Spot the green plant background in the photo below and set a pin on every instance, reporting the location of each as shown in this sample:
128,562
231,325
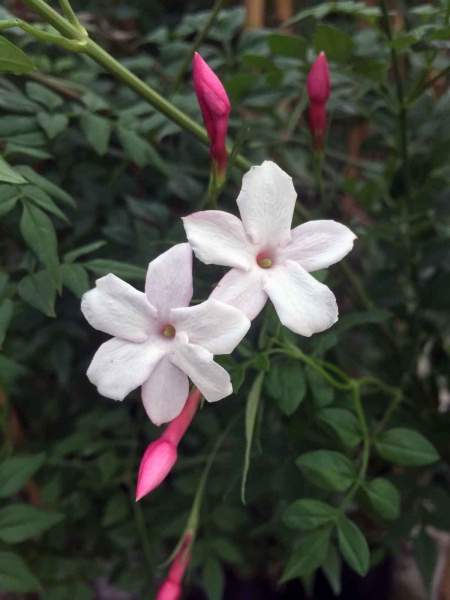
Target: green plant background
94,180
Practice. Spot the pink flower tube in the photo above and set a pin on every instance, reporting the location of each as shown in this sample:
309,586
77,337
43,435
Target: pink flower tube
161,454
171,588
215,107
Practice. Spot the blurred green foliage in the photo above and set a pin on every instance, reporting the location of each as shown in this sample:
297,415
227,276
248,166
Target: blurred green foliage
94,180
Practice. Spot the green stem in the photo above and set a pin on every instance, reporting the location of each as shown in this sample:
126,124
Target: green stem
403,130
202,33
103,58
295,352
365,454
427,84
71,16
397,399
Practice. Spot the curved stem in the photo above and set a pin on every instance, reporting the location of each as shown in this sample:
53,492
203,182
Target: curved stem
103,58
196,43
365,455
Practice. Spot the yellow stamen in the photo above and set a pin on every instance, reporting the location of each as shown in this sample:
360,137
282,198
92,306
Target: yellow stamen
169,331
265,263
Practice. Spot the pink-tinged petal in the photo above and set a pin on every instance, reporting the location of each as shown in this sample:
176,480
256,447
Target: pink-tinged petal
266,203
243,290
302,303
210,378
119,366
117,308
165,392
169,280
318,244
214,325
219,238
156,464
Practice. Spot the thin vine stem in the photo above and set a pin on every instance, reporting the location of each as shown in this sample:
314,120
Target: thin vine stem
365,454
110,64
202,33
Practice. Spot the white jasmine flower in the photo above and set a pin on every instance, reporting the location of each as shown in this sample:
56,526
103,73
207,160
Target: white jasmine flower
158,340
269,260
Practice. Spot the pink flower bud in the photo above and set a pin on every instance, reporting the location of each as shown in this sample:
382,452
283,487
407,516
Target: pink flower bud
215,107
171,588
161,454
156,464
318,82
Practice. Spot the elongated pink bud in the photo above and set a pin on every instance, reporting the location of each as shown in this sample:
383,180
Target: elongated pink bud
215,107
318,82
156,464
161,454
171,588
318,85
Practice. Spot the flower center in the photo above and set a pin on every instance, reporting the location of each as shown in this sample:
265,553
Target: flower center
169,331
264,261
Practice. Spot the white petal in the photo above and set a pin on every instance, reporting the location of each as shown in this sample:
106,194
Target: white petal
119,367
318,244
303,304
165,392
169,280
219,238
266,203
210,378
243,290
216,326
117,308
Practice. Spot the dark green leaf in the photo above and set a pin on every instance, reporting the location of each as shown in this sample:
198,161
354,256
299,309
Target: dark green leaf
384,497
19,522
52,124
308,555
322,391
39,233
16,471
6,310
43,95
426,555
343,423
332,569
213,579
308,514
13,59
286,383
250,419
45,184
406,447
337,45
9,195
43,200
353,546
97,131
8,174
75,278
39,291
287,45
74,254
327,469
103,266
15,575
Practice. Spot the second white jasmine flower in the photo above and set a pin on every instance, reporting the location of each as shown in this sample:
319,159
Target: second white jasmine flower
158,340
269,260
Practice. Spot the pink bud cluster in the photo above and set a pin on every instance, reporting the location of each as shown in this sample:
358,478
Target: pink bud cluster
171,588
318,85
161,454
215,107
